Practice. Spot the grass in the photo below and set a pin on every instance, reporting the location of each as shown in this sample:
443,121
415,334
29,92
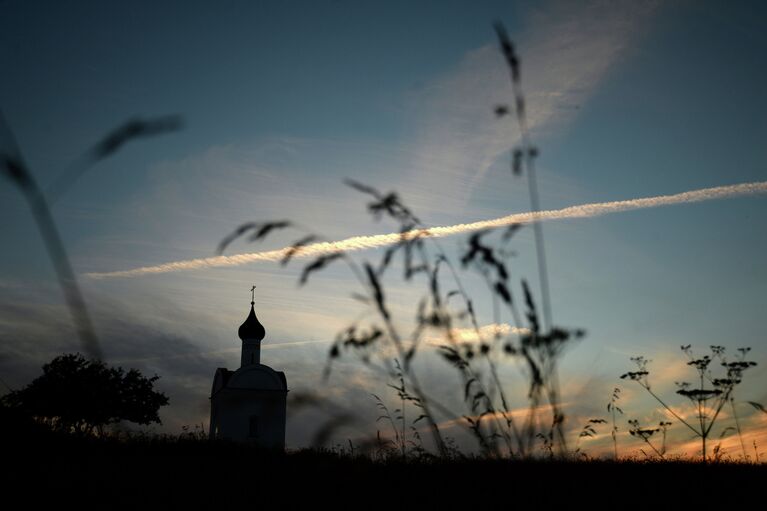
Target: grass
445,305
148,469
536,343
41,200
504,442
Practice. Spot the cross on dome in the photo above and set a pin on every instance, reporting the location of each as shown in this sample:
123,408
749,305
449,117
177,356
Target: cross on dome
252,329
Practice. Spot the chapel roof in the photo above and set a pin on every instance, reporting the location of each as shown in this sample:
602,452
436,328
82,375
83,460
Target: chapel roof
251,329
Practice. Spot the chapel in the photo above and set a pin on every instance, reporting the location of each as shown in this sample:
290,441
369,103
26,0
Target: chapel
249,403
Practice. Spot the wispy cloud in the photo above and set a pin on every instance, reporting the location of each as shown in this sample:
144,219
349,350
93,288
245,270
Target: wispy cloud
439,164
381,240
484,333
566,50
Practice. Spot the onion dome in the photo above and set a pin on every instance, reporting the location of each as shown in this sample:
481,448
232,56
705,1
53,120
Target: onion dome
251,329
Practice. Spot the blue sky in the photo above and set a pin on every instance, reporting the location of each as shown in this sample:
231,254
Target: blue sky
283,100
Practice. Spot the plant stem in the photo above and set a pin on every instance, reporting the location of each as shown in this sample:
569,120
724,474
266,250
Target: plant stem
25,181
64,272
737,425
670,410
647,441
538,230
703,429
614,435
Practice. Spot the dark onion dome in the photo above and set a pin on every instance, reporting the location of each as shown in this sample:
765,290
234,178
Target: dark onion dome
251,329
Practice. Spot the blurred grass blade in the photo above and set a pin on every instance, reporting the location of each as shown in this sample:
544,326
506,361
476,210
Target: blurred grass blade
318,264
15,169
239,231
135,128
296,247
132,129
363,188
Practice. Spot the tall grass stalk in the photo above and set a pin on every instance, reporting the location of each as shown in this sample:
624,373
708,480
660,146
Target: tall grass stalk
612,408
523,160
13,166
535,342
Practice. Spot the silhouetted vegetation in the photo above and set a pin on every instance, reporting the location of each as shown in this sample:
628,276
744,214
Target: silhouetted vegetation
383,347
445,305
12,165
144,470
707,402
75,395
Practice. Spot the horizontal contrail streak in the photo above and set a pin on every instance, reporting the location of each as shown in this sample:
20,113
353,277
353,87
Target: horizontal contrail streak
381,240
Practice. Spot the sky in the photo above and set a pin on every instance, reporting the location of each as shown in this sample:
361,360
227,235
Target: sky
282,101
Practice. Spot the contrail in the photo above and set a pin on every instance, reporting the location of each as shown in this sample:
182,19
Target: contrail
381,240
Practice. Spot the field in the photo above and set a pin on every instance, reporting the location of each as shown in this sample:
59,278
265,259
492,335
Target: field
201,474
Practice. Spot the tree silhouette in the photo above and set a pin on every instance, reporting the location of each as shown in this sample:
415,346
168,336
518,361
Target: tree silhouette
75,395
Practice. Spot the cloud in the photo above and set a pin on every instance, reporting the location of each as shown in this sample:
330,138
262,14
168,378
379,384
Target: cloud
184,348
381,240
485,333
442,155
566,51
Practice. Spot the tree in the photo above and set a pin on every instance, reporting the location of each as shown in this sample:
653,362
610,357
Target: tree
82,396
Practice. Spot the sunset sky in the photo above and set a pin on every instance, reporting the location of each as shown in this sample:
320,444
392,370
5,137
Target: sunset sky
282,101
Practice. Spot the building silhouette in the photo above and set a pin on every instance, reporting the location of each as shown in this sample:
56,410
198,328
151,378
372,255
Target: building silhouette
249,404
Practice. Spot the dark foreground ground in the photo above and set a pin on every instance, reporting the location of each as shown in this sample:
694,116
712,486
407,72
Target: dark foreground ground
155,473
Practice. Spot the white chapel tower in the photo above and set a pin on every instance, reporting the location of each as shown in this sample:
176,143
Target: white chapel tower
249,404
